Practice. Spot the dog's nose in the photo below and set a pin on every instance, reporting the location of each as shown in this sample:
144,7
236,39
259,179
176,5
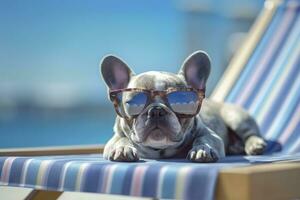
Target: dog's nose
156,111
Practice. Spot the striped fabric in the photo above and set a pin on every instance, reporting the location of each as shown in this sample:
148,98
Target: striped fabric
91,173
269,85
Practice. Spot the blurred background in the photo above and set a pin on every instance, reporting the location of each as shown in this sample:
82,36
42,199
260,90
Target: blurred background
50,89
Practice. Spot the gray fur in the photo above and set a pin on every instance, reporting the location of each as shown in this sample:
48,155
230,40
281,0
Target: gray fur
203,138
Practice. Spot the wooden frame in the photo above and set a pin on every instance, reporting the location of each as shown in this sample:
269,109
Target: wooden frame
260,182
18,193
58,150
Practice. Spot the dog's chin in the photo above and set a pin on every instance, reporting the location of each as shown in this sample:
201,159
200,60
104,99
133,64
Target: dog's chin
158,140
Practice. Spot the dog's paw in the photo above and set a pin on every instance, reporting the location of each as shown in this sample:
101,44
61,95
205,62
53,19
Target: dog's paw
255,145
122,153
202,153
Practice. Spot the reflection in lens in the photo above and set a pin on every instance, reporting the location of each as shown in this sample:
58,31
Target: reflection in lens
183,102
134,102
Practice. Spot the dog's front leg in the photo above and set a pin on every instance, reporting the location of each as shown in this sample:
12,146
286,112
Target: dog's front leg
119,148
207,146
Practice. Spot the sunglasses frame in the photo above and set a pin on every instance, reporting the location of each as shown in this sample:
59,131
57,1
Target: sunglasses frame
152,93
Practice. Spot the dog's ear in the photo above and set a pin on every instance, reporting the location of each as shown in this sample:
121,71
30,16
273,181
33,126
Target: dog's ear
115,72
195,69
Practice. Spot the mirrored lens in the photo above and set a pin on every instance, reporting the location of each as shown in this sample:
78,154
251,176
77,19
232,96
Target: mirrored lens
134,102
184,102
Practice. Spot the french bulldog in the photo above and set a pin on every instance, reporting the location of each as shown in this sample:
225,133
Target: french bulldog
158,132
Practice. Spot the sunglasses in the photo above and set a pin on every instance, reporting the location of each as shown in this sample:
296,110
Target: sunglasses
185,102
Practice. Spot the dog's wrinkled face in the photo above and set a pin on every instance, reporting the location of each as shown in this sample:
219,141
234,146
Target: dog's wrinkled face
157,126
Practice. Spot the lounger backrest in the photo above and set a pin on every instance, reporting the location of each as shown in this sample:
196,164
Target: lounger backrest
268,85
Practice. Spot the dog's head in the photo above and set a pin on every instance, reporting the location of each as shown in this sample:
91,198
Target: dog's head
149,118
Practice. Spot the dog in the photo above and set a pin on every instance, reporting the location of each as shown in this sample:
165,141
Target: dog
158,115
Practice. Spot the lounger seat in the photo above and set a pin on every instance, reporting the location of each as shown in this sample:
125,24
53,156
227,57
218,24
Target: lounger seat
148,178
